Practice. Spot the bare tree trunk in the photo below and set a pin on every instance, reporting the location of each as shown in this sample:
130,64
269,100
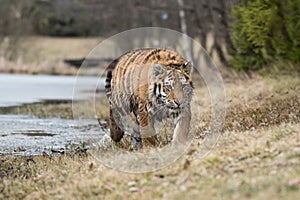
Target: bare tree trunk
216,15
200,23
183,26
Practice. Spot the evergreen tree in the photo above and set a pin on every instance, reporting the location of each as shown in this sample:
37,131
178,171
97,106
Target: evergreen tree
265,31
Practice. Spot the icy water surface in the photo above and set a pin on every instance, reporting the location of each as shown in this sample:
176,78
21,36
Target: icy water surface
21,89
29,135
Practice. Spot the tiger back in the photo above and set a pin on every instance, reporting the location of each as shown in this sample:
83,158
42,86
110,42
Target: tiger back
152,84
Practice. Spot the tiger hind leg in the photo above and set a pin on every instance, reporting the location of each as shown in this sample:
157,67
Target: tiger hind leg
116,133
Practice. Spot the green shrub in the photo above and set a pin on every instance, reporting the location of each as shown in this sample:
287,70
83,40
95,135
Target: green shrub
264,31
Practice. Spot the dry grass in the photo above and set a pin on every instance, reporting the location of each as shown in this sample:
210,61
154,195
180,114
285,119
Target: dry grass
45,55
260,165
256,157
47,109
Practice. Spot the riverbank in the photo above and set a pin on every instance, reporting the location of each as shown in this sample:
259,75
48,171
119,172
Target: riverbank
45,55
256,157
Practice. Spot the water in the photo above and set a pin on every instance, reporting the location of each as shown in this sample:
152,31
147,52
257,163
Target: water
20,89
29,135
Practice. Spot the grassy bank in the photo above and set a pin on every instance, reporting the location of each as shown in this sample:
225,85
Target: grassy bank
256,157
45,55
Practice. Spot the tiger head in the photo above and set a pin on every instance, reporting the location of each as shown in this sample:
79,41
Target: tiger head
172,86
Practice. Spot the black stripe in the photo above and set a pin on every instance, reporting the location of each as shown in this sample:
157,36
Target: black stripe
113,64
108,83
109,75
159,89
132,57
153,52
154,90
108,78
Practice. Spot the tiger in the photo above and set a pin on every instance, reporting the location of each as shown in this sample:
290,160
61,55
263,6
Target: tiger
150,84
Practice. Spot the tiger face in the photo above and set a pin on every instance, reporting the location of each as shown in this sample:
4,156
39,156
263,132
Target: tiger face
174,90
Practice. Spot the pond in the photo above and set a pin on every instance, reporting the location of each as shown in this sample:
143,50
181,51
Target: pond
28,135
21,89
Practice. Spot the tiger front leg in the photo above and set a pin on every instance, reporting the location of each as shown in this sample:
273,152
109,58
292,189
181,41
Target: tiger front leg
146,126
182,127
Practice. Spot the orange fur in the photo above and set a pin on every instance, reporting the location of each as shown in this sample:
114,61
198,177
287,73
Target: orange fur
137,84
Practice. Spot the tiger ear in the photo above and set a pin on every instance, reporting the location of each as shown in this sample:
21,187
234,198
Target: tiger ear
188,67
157,69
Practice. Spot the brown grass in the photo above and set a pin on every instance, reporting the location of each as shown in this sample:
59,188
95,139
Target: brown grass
45,55
256,157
